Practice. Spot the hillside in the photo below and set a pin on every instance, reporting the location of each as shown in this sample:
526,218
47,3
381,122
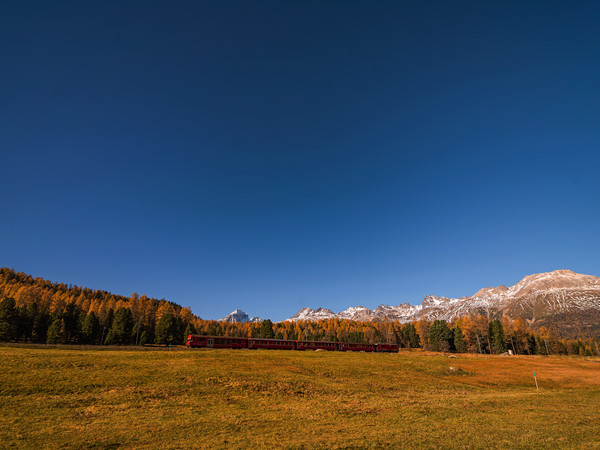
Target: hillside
40,302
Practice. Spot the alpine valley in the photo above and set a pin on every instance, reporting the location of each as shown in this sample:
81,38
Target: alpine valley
562,299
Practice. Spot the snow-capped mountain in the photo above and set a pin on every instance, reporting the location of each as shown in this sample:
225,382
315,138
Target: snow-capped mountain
239,316
561,297
313,314
534,297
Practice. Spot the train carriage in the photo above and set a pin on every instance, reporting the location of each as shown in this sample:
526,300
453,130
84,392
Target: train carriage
386,348
280,344
316,345
356,347
216,342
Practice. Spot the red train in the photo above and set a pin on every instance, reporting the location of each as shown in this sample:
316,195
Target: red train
195,340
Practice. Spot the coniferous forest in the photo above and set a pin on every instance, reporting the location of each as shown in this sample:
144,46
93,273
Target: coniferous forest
39,311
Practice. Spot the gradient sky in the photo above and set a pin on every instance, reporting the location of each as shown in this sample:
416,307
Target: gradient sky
274,155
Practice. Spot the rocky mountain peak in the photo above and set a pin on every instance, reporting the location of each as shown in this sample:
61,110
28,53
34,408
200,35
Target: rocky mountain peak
239,316
313,314
557,279
489,291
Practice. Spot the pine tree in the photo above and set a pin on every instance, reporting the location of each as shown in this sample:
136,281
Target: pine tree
266,329
24,320
440,336
41,322
55,333
122,327
8,319
410,336
90,328
167,330
143,338
110,338
497,338
71,322
459,340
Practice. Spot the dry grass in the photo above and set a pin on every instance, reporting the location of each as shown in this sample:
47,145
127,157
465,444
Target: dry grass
99,398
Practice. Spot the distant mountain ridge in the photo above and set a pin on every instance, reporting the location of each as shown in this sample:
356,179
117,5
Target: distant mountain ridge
239,316
563,298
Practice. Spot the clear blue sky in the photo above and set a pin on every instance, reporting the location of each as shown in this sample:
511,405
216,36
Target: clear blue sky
274,155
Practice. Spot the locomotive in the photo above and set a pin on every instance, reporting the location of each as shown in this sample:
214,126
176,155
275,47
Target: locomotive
197,341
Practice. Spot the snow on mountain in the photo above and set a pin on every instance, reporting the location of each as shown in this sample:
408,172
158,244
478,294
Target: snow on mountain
403,312
574,296
313,314
239,316
356,313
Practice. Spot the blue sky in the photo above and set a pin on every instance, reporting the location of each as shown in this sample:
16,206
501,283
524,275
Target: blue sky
274,155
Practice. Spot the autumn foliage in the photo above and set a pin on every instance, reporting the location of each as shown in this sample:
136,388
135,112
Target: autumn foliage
36,310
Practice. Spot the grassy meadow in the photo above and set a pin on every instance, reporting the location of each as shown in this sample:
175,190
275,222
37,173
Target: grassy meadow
105,397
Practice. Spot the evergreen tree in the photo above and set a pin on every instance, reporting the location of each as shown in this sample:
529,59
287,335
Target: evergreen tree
410,336
149,333
32,314
180,331
90,329
41,322
80,321
497,338
122,327
55,333
109,318
440,336
459,340
532,347
266,329
167,330
110,338
24,320
8,320
71,322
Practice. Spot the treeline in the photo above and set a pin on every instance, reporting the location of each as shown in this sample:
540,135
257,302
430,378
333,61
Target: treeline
472,334
37,310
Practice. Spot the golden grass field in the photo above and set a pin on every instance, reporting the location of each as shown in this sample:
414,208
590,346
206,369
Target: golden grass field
106,398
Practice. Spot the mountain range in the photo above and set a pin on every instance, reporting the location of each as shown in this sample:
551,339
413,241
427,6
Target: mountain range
563,298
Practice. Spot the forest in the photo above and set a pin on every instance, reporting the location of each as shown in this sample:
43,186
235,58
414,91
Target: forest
39,311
